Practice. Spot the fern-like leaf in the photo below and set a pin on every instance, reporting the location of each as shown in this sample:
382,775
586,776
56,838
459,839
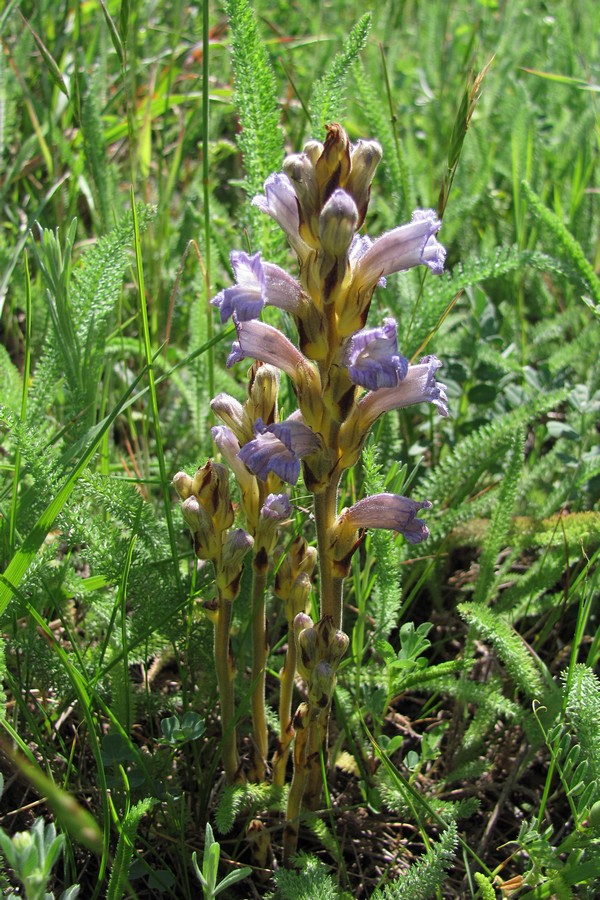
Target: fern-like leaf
327,103
261,137
124,854
425,877
455,478
247,798
501,522
583,710
497,631
566,240
309,880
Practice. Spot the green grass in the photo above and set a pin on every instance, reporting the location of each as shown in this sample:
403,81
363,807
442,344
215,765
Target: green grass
129,153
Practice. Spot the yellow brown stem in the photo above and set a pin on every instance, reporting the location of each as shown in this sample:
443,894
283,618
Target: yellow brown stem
301,726
331,586
286,732
259,662
225,671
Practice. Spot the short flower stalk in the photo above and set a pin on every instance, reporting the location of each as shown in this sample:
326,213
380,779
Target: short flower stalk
345,374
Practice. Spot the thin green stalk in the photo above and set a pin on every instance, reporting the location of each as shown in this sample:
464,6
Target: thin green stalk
153,398
259,665
12,519
206,191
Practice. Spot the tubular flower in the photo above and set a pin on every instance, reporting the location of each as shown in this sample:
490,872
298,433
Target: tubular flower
257,284
231,412
372,357
228,445
403,248
278,448
273,513
379,511
418,386
265,343
281,204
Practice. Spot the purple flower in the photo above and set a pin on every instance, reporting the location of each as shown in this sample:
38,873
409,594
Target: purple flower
418,386
372,357
276,506
257,284
388,511
278,448
281,204
229,447
265,343
404,247
359,246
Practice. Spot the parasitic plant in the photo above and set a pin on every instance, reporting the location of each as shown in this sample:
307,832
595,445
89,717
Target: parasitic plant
344,376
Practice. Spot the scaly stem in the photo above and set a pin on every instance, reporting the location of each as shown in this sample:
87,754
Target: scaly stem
302,728
225,670
331,587
286,690
317,745
259,663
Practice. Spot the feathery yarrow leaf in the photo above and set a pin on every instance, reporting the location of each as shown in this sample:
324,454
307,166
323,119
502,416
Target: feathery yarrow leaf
512,651
327,102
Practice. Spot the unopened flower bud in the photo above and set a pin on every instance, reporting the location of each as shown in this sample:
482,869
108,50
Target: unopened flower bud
263,387
211,486
301,172
333,165
231,412
183,485
337,224
321,684
303,556
338,645
364,160
302,621
298,597
308,652
235,546
273,513
207,543
313,149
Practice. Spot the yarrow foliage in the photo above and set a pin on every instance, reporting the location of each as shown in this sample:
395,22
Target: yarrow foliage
345,375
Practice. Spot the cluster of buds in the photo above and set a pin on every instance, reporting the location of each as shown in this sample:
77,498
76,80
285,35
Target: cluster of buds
208,511
320,647
293,577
